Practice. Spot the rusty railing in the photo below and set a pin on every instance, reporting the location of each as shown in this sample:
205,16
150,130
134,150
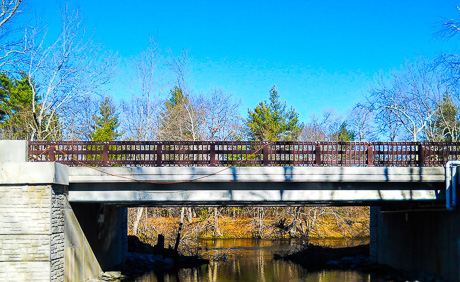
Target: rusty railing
244,153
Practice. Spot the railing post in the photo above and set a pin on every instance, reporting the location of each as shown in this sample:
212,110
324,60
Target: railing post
265,153
370,155
212,155
53,153
105,155
318,154
159,155
341,153
421,155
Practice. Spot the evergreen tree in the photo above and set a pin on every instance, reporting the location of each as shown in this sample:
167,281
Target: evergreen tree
271,121
4,81
105,124
446,123
17,120
343,134
180,120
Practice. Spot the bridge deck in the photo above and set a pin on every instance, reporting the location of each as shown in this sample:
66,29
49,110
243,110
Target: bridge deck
256,185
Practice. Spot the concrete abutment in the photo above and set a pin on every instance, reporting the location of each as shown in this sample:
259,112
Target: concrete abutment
32,232
426,241
41,238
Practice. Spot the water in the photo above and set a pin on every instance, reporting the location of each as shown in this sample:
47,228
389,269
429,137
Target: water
252,260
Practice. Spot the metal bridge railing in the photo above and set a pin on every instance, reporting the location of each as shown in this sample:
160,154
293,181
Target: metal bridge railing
244,153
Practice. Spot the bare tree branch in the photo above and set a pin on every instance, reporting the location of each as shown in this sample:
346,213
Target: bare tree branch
409,101
14,37
141,113
65,72
9,8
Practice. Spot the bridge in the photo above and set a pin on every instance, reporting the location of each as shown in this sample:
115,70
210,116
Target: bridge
85,187
255,173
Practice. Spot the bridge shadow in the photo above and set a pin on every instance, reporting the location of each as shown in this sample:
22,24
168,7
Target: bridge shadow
288,173
234,173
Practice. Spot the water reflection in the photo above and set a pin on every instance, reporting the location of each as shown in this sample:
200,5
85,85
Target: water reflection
252,260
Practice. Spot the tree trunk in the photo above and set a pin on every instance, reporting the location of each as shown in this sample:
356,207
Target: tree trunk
138,218
180,229
190,215
261,221
216,223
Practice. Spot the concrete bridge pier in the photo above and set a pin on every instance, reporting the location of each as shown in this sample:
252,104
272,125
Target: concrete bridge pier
425,241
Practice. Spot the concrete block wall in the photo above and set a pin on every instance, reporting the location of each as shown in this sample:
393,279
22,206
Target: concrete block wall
31,232
57,240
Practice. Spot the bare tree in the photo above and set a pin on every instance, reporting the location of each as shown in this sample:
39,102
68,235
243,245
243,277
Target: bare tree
8,10
141,114
449,63
64,73
449,28
321,129
222,119
409,100
140,118
179,65
361,121
183,115
199,117
14,42
78,124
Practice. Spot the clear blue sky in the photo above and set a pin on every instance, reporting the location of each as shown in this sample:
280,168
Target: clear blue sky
320,54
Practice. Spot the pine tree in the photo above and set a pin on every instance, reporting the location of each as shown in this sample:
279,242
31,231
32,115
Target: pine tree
271,121
17,120
4,83
180,120
446,123
343,134
105,124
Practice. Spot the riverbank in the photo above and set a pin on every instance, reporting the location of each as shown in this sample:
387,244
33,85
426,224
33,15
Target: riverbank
257,223
143,258
315,257
320,258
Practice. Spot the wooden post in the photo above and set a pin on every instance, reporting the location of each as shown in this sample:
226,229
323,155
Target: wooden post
159,155
212,155
370,155
105,154
160,242
176,246
265,153
318,154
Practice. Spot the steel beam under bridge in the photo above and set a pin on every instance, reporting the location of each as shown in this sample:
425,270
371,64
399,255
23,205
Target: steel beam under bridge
264,186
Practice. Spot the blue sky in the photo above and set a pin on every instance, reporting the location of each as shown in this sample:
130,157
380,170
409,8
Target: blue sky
320,54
